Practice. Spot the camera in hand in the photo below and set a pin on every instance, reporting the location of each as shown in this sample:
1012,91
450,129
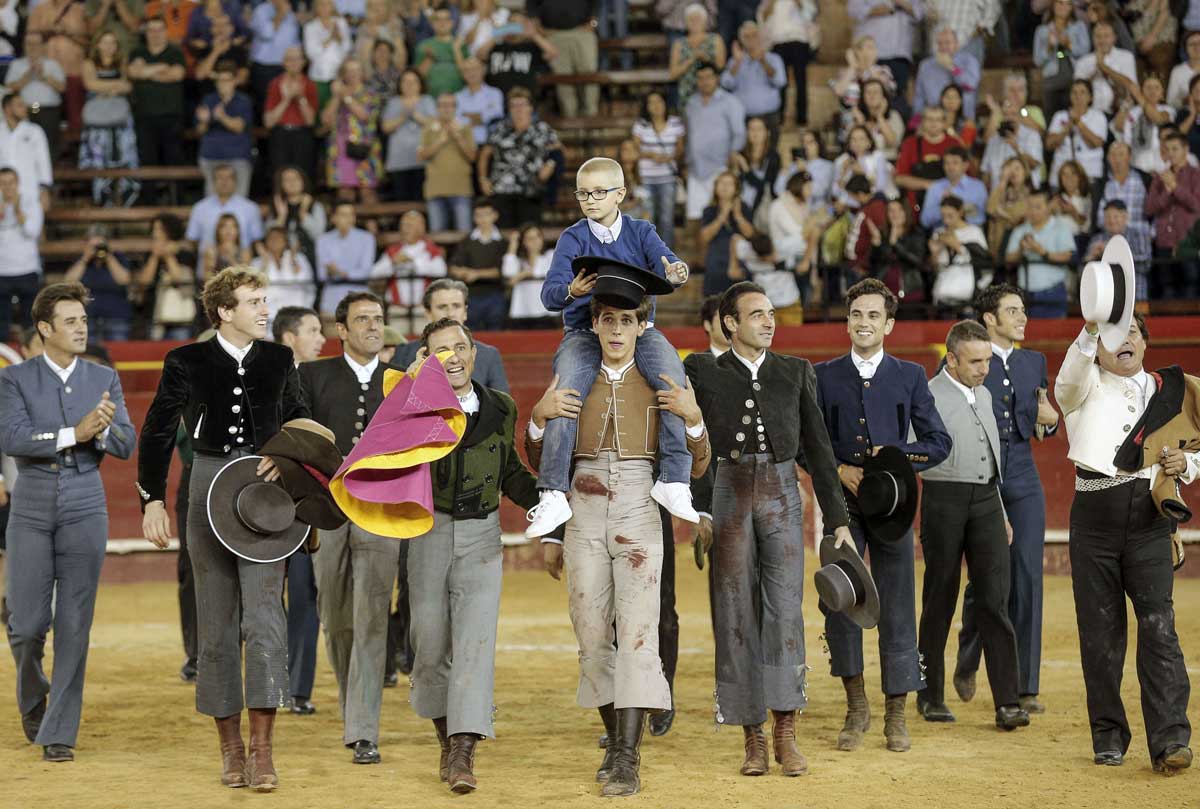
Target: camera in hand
102,251
1006,129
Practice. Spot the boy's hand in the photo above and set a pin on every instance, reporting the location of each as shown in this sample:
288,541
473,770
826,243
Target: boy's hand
582,284
677,273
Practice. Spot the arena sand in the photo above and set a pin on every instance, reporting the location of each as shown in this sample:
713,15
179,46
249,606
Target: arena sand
143,745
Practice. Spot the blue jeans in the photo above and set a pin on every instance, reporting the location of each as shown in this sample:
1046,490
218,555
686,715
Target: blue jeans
109,330
487,311
613,23
449,213
662,210
1050,302
576,364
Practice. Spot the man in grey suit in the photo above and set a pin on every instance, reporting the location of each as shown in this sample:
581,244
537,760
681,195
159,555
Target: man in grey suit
60,416
962,514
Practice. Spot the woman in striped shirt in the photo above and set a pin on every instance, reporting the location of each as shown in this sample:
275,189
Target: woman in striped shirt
660,138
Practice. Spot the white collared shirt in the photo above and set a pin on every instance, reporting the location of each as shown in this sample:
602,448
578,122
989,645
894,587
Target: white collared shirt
867,367
470,402
753,365
615,376
1003,353
363,372
238,354
477,235
604,234
968,392
716,352
66,435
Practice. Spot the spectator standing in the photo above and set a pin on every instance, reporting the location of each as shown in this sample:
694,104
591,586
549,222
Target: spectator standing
480,104
157,70
275,29
758,167
448,151
889,24
516,59
289,272
326,43
524,267
731,14
1173,204
24,144
108,140
673,16
1130,187
957,124
225,46
876,114
955,249
636,204
795,227
1078,132
202,221
807,158
1009,134
226,249
725,216
1155,30
167,280
1043,244
439,59
382,24
755,259
1006,203
1073,202
122,17
345,256
64,26
41,82
755,76
866,206
476,262
404,117
1111,70
383,77
1190,20
792,33
177,14
571,27
20,261
861,67
1139,126
408,264
290,114
971,191
294,208
107,277
353,149
1115,222
698,46
861,159
900,253
1181,74
225,121
517,162
1059,42
481,18
721,117
660,140
949,65
920,163
972,21
1186,118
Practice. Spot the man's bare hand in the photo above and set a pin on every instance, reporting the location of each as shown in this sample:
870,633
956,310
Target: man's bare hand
556,403
96,421
415,365
680,401
851,477
267,470
1008,531
156,526
552,556
1047,416
1173,460
842,536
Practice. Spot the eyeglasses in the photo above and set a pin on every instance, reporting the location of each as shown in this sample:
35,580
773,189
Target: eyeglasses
597,194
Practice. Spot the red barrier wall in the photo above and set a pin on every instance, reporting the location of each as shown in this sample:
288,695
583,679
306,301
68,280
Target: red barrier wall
527,357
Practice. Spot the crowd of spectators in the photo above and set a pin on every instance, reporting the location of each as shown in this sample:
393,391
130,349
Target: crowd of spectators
923,177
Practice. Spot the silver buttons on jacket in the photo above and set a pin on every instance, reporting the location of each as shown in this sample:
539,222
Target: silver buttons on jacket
749,404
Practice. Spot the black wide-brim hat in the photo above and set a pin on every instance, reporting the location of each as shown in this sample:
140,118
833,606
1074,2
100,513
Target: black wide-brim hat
307,460
619,284
887,495
845,585
254,519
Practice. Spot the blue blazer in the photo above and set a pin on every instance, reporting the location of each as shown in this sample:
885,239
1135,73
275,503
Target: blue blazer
1014,393
35,405
884,411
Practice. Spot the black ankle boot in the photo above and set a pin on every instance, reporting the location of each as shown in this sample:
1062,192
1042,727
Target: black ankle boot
609,715
623,779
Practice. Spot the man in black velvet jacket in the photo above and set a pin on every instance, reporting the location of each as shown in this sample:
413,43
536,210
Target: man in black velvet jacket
233,392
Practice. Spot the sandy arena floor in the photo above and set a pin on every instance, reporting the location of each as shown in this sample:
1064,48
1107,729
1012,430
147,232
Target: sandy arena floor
143,745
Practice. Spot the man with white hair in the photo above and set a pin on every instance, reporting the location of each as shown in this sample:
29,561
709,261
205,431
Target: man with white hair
755,76
971,21
1110,69
948,65
890,23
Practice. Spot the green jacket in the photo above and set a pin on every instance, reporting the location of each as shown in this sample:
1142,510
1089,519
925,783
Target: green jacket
468,482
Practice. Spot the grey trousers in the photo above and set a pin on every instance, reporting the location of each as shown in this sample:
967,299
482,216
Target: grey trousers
354,571
758,582
454,575
57,531
613,552
237,601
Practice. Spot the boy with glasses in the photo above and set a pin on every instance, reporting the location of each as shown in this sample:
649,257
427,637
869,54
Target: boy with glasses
606,232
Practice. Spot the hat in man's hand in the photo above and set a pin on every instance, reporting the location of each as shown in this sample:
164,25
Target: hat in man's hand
845,585
307,458
254,519
1107,292
619,284
887,495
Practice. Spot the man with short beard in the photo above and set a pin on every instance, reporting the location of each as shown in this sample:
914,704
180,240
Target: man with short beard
58,526
233,392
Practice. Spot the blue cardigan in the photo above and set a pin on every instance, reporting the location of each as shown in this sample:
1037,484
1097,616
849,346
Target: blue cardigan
638,244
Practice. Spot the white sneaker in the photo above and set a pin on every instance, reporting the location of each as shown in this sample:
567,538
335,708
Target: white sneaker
550,512
677,499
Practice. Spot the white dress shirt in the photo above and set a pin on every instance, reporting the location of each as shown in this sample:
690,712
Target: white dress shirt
967,392
753,365
238,354
606,235
868,367
66,436
363,372
1003,353
470,402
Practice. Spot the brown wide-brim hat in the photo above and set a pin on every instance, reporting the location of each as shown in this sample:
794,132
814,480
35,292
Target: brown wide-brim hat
845,584
254,519
307,458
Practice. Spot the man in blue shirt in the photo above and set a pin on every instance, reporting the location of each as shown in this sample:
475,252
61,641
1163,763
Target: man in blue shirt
722,119
202,222
345,256
275,29
1042,245
755,76
947,66
479,103
971,191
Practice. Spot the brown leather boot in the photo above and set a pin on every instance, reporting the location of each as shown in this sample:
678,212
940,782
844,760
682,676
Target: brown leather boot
260,769
858,714
783,734
460,767
755,762
895,729
233,751
439,725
